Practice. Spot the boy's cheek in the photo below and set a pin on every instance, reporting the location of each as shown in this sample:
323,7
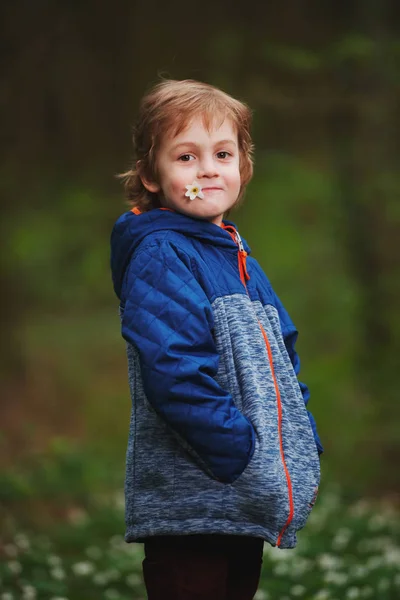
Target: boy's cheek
177,189
180,183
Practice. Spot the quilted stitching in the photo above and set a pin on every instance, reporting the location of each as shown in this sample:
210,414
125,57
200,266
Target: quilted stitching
167,317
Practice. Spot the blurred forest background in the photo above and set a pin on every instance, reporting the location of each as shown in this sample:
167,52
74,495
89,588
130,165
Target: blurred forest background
321,215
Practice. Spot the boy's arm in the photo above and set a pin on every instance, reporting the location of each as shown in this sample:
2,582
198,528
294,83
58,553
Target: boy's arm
290,335
168,318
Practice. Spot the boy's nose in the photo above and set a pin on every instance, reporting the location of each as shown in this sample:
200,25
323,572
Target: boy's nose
207,168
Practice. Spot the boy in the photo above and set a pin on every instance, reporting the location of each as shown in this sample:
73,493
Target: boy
222,453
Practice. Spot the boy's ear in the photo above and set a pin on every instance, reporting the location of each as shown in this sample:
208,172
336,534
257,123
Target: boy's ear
151,186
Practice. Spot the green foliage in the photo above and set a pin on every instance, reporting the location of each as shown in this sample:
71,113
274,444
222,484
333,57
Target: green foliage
65,470
227,45
353,46
61,252
297,59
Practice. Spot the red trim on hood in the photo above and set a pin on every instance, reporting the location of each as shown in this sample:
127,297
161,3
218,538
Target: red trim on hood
137,210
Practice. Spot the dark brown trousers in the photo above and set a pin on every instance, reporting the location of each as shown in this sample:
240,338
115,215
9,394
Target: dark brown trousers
202,567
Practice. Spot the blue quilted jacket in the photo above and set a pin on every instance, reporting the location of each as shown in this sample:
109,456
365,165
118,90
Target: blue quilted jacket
220,437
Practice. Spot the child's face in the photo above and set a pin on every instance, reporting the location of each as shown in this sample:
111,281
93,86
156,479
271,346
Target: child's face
210,158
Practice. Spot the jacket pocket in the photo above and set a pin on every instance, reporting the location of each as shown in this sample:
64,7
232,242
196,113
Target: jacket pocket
196,495
259,496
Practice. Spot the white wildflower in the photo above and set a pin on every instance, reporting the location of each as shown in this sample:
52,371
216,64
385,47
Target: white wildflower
14,566
352,593
322,595
377,522
381,542
329,562
194,190
298,590
83,568
117,541
57,573
100,578
392,556
281,555
301,566
58,598
360,508
133,580
281,569
341,539
28,592
359,571
335,577
119,500
7,596
22,541
111,594
93,552
261,595
53,560
112,574
396,580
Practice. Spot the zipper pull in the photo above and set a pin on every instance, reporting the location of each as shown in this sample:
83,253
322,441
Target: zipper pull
239,242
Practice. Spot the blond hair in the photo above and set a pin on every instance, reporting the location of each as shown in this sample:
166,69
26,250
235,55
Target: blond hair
168,108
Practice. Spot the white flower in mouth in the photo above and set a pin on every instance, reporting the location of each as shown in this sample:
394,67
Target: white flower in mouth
194,190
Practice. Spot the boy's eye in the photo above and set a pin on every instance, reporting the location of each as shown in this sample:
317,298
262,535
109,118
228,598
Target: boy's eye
186,157
223,154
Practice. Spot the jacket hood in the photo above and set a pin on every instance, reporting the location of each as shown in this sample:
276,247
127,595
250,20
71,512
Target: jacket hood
130,229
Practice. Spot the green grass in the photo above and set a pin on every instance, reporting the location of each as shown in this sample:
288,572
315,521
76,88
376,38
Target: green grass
348,550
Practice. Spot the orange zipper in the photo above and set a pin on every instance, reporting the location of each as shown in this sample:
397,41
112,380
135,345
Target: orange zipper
244,276
279,403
